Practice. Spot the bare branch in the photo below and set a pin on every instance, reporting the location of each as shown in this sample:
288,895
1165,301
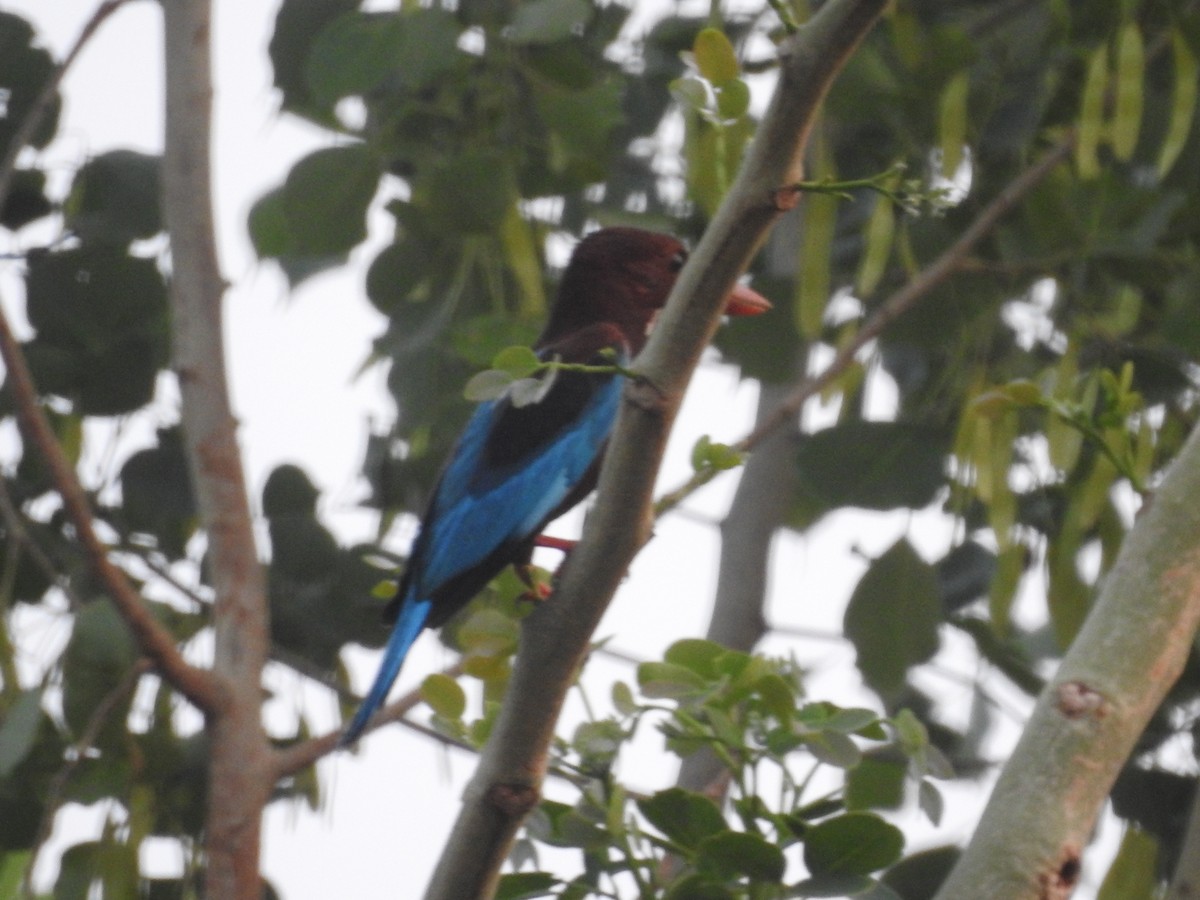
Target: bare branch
955,258
155,640
1130,651
292,759
240,767
555,638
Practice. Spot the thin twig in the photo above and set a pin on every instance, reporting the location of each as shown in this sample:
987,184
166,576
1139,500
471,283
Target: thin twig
299,756
16,527
900,302
155,640
41,104
74,756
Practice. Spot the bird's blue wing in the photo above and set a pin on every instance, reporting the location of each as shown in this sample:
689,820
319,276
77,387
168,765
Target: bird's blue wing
490,495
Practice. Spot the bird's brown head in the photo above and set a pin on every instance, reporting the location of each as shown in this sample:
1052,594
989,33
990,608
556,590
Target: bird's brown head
623,276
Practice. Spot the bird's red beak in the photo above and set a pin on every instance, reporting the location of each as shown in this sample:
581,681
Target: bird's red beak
742,301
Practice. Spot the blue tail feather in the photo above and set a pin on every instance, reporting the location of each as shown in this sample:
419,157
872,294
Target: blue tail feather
413,616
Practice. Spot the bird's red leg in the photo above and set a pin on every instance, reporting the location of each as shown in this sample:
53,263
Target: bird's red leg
540,590
566,545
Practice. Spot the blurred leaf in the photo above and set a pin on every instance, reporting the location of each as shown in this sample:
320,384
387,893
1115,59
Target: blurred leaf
547,21
685,817
100,653
358,51
1127,108
877,782
297,25
873,465
26,201
525,885
738,853
855,843
893,616
919,876
1133,875
24,68
1183,104
1091,115
952,122
715,57
115,198
665,680
18,730
444,695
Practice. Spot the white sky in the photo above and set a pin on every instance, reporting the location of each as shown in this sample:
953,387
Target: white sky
292,358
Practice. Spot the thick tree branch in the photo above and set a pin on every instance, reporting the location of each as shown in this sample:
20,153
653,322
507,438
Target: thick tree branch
555,637
1130,651
240,768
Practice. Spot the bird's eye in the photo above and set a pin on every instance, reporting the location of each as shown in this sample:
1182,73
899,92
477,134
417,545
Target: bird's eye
678,260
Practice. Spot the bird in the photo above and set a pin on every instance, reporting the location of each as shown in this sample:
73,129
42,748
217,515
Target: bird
521,462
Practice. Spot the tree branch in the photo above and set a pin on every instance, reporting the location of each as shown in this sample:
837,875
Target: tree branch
152,637
240,768
1130,651
555,637
41,104
954,258
155,640
292,759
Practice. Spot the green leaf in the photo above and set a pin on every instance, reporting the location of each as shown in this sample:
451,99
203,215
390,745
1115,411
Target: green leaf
547,21
115,198
877,247
952,122
1091,115
12,871
708,455
96,298
519,362
623,699
834,749
297,26
855,843
444,695
668,681
325,200
1183,103
696,886
685,817
929,798
1133,875
733,99
24,69
1130,77
525,885
18,730
873,465
715,56
876,783
813,284
837,886
467,194
696,654
893,616
737,853
99,654
358,51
